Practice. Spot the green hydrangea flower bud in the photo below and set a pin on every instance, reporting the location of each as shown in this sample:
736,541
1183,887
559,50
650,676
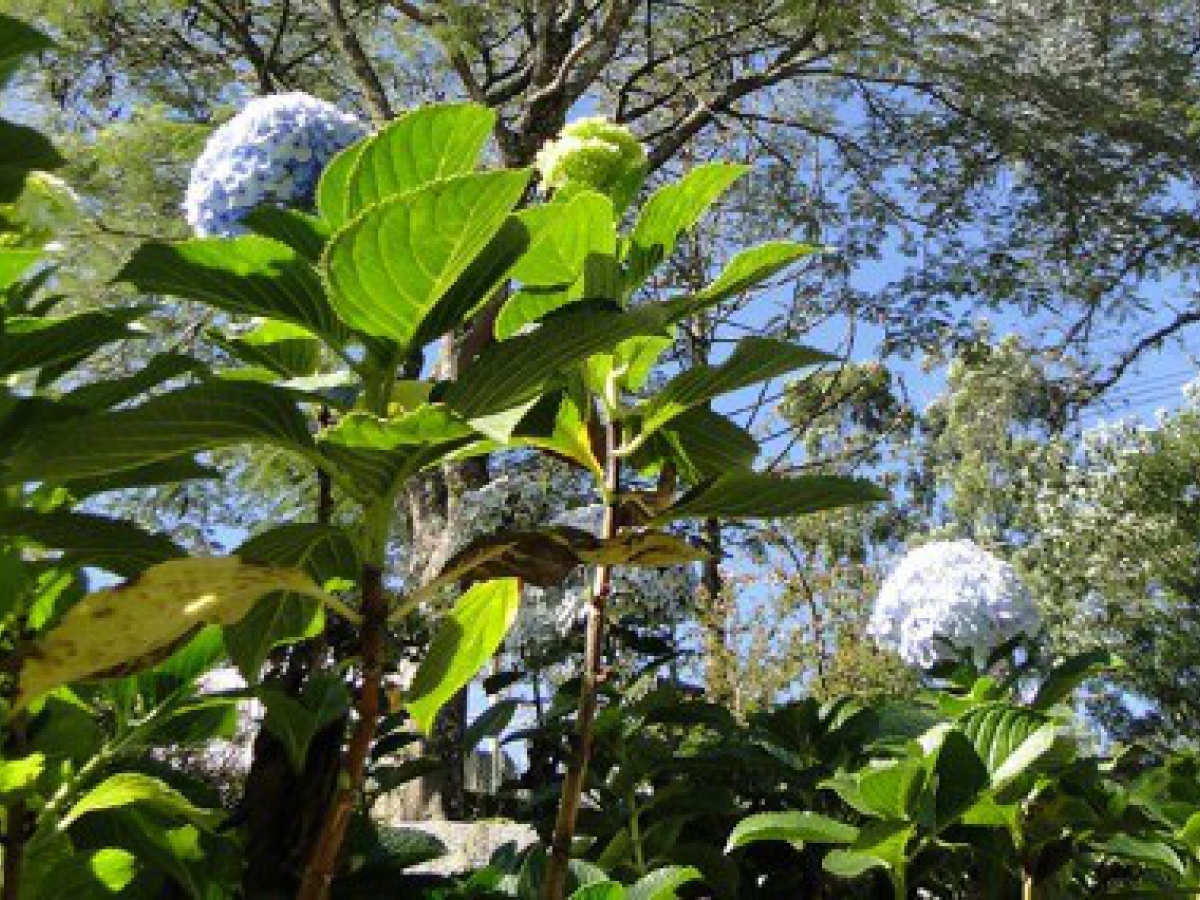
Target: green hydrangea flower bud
46,206
592,154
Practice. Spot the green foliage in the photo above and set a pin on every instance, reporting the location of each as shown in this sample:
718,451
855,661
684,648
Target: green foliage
992,793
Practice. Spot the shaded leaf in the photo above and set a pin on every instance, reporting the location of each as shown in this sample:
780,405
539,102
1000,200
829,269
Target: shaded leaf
755,359
296,721
250,275
179,423
744,495
90,540
303,232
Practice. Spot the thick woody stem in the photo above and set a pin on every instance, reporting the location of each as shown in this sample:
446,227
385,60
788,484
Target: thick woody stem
323,864
581,751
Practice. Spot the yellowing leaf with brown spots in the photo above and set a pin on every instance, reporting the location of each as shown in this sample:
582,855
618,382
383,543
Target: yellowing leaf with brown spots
122,629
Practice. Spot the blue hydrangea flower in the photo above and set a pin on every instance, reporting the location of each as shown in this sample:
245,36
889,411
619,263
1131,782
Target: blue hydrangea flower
947,597
272,151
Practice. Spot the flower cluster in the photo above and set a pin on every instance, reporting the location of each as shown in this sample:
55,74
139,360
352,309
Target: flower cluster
272,152
591,154
951,596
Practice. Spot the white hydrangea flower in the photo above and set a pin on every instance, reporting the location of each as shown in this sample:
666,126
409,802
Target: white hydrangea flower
951,594
273,151
591,153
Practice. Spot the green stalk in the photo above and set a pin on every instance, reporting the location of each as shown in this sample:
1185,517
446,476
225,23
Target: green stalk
635,834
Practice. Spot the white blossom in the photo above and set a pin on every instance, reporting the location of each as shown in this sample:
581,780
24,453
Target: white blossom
951,596
272,152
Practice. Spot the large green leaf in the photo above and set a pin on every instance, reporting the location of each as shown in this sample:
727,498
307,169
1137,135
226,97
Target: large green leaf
797,828
557,425
323,551
887,790
250,275
671,211
880,845
127,788
1009,739
466,639
202,417
571,257
90,540
512,372
389,268
751,495
428,144
755,359
375,454
32,342
429,424
1144,851
563,236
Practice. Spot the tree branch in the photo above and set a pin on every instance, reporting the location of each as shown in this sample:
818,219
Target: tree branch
360,64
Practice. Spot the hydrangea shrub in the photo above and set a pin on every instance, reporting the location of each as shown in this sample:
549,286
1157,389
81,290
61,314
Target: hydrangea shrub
948,597
272,152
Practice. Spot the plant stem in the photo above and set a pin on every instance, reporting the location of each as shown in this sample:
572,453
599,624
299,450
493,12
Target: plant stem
581,751
322,867
1027,892
16,826
635,834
